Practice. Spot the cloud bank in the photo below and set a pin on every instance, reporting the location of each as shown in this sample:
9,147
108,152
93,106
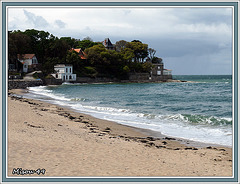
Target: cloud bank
190,40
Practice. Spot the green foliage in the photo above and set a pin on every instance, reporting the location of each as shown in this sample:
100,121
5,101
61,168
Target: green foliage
51,50
147,66
127,54
71,42
136,67
48,65
84,44
90,71
72,57
151,53
94,54
140,50
156,60
126,69
120,45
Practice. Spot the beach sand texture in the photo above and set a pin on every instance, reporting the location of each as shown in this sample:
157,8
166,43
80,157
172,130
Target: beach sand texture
66,143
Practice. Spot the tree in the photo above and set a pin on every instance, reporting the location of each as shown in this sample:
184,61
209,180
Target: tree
78,64
18,43
39,42
70,41
136,41
84,44
147,66
108,63
88,38
140,50
93,54
58,48
127,54
156,60
72,57
120,45
151,53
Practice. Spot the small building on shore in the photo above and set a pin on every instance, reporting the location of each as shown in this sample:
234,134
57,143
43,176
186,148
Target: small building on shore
159,73
108,44
64,72
29,62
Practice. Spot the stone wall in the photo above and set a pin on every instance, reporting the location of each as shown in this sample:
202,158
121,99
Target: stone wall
22,84
52,81
94,80
138,76
163,78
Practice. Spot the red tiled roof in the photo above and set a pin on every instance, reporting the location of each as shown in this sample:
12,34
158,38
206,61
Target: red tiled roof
25,56
77,50
82,57
167,69
80,53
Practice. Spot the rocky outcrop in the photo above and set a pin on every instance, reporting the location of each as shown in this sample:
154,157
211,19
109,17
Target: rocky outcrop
22,84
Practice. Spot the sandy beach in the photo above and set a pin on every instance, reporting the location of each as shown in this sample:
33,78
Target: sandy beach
67,143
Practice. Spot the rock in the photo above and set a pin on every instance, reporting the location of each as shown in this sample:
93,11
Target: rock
71,117
160,146
164,142
107,128
107,131
169,138
143,141
150,139
190,148
151,144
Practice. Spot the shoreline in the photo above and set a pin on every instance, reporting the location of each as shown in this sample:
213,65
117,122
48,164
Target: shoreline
143,131
65,130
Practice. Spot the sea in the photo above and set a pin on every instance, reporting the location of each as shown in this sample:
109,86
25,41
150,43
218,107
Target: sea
198,110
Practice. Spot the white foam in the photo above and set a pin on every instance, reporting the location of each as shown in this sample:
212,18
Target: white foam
41,90
176,125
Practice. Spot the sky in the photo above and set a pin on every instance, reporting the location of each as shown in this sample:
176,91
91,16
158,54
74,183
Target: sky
191,41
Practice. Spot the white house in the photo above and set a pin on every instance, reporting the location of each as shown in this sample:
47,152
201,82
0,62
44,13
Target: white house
64,72
29,61
167,72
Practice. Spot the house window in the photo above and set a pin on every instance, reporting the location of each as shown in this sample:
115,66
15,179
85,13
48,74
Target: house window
66,70
70,70
66,77
158,72
70,77
158,67
56,75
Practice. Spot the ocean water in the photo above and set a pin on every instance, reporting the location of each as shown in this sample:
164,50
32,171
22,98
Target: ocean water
200,110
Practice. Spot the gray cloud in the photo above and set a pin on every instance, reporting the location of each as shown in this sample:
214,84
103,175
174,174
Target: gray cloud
37,21
206,15
190,40
60,23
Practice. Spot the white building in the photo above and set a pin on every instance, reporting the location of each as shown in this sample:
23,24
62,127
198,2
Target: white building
64,72
29,61
167,72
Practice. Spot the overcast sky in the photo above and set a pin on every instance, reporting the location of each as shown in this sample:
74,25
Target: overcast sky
189,40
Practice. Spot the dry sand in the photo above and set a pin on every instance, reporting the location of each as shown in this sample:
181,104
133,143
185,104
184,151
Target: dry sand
66,143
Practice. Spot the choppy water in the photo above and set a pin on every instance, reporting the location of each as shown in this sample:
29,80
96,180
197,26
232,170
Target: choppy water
199,111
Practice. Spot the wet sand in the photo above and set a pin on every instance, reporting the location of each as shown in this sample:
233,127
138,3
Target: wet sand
68,143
